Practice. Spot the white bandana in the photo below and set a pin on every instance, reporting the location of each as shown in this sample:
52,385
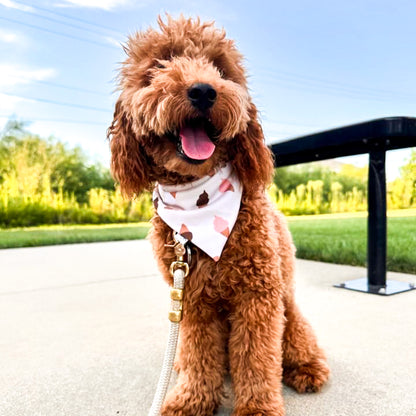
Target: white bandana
203,211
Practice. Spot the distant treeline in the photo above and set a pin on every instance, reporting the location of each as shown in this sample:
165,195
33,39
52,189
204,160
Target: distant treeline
316,189
43,181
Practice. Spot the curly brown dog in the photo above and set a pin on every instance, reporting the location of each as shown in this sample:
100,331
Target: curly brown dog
183,114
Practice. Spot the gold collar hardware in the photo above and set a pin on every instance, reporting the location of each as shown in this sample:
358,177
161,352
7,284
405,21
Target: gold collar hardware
181,248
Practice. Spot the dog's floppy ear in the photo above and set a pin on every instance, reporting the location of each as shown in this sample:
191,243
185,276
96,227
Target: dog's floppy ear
250,156
128,160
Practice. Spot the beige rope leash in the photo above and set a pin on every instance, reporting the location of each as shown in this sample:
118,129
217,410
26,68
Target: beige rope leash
179,269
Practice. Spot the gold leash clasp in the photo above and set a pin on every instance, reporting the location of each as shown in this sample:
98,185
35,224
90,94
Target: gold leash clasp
179,265
176,294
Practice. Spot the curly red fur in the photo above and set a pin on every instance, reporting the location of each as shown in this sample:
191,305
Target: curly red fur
250,157
239,312
128,163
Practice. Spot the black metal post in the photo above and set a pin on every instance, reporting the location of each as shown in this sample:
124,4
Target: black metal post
376,281
374,137
377,220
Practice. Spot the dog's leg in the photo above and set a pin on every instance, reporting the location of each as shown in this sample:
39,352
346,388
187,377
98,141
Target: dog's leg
304,365
255,356
202,363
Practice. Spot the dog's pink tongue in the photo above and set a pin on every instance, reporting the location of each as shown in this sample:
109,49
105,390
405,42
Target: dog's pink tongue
195,143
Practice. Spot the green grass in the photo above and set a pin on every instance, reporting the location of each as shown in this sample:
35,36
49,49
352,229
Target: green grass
337,238
344,241
67,234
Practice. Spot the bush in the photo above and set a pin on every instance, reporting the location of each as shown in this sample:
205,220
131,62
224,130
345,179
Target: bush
57,208
44,182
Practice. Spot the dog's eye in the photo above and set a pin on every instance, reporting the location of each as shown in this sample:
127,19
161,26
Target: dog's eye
218,64
160,64
221,72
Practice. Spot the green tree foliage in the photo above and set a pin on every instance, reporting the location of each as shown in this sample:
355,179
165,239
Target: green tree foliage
33,158
402,191
314,188
349,176
46,182
73,173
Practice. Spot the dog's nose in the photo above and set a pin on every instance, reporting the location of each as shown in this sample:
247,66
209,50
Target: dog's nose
202,96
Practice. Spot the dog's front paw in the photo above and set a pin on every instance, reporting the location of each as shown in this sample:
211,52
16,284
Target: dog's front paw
259,409
259,413
181,402
179,408
307,378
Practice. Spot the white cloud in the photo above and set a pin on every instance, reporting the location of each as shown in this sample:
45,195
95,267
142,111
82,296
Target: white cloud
113,41
9,104
95,4
11,5
11,75
9,37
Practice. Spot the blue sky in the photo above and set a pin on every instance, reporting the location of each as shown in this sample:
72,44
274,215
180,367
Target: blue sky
312,65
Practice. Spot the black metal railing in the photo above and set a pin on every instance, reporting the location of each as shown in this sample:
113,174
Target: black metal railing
375,138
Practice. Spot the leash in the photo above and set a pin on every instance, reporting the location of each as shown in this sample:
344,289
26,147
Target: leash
179,269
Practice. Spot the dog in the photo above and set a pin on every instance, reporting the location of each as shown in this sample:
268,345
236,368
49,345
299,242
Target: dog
185,123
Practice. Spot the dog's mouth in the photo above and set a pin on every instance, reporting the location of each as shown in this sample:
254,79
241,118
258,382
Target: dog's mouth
195,140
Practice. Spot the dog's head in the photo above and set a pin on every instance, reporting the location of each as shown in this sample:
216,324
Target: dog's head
184,110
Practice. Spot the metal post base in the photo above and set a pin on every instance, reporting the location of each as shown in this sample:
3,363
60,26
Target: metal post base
391,288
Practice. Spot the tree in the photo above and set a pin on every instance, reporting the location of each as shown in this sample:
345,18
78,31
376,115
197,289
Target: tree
39,161
408,174
74,175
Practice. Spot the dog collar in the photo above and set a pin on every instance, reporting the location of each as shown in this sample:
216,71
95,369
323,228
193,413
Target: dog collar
204,211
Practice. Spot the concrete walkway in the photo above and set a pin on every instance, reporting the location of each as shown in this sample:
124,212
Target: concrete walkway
83,330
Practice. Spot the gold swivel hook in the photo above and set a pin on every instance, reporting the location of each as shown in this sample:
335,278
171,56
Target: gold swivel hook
176,294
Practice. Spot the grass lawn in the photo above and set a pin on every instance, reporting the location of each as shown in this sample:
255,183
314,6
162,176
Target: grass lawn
334,238
344,240
67,234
